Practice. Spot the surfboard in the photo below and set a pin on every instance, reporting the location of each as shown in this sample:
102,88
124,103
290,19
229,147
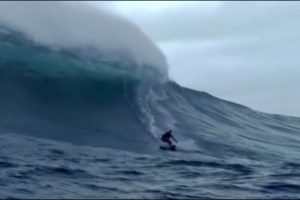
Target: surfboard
173,148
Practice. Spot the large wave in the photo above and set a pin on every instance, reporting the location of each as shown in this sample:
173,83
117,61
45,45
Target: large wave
102,94
69,94
69,71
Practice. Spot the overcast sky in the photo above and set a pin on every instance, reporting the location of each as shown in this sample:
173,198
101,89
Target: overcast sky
245,52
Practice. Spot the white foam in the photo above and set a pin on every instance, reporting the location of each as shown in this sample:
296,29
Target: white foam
76,24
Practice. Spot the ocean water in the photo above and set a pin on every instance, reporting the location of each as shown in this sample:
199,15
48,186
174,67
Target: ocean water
39,168
80,122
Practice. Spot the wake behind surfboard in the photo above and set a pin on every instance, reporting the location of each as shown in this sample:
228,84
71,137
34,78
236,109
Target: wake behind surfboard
173,148
179,149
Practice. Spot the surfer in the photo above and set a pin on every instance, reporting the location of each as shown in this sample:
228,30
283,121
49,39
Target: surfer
166,138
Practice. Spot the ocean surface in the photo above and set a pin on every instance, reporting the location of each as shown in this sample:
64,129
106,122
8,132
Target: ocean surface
86,123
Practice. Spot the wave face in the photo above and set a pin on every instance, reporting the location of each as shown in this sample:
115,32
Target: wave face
102,97
70,95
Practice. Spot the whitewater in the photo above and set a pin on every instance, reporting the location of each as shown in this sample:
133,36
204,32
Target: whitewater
85,97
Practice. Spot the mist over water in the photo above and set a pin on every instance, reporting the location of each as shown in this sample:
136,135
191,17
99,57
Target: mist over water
78,25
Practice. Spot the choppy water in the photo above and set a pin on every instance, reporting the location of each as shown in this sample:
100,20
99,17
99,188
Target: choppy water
38,168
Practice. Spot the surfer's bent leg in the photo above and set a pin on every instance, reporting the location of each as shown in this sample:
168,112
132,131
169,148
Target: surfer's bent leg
170,143
167,141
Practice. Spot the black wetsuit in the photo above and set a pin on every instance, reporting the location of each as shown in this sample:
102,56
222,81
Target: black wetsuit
166,138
